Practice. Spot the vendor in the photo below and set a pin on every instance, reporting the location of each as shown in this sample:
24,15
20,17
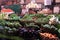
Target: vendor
24,10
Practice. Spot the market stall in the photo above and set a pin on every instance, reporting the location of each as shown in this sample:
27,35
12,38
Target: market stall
31,23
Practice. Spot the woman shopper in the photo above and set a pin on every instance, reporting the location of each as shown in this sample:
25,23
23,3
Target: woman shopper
24,10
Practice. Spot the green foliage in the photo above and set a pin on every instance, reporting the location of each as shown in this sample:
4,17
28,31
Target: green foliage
11,37
2,22
42,20
47,26
9,24
14,17
58,17
59,30
28,17
49,16
32,25
57,26
40,15
2,16
13,24
9,29
17,24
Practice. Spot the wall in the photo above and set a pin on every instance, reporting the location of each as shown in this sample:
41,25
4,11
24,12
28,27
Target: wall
57,1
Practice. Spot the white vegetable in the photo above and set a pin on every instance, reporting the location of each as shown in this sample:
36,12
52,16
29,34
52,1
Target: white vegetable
59,30
53,20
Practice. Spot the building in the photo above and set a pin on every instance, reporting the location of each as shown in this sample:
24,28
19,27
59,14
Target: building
41,1
27,1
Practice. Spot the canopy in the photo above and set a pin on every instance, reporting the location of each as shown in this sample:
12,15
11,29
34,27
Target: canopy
9,11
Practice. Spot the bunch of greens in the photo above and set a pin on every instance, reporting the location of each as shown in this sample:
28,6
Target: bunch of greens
58,17
40,15
14,17
13,24
7,29
28,17
49,16
42,20
2,16
32,25
2,22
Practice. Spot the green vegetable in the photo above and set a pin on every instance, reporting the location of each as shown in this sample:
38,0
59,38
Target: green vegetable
59,30
2,16
58,17
2,22
31,25
28,17
42,20
40,15
47,26
57,26
14,17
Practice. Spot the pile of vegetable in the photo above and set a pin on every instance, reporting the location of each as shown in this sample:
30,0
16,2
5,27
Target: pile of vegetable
12,24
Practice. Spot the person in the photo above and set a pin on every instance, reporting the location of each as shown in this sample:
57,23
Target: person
2,7
30,14
24,10
31,11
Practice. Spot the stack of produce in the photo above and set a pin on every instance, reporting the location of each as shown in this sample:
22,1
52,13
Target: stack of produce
49,36
14,22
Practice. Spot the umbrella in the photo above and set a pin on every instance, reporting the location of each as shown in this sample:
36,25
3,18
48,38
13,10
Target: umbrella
7,11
